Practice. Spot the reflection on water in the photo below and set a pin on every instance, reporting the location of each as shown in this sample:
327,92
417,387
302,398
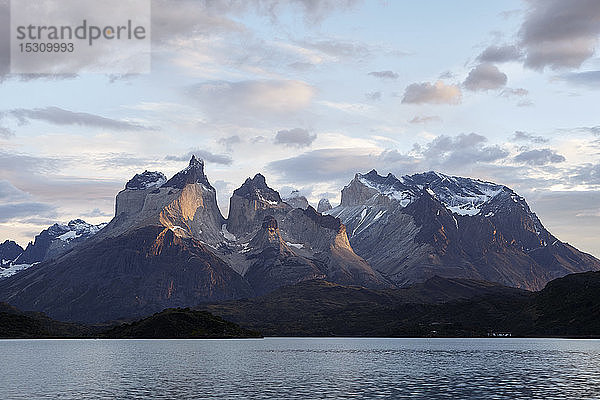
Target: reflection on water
290,368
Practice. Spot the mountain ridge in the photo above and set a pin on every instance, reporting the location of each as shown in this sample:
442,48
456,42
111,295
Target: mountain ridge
168,244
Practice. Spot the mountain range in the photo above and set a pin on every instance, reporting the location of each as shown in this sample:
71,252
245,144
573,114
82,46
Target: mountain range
168,244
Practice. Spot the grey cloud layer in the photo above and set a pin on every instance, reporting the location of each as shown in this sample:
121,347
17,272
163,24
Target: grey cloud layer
500,54
485,77
59,116
337,165
539,157
203,154
559,34
296,137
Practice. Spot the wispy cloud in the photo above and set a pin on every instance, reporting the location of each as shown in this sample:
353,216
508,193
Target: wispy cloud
59,116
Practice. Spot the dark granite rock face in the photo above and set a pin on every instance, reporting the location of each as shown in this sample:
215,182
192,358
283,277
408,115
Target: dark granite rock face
324,205
9,251
145,180
194,173
274,263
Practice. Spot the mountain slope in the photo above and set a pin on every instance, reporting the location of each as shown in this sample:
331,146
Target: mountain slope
57,240
415,227
134,274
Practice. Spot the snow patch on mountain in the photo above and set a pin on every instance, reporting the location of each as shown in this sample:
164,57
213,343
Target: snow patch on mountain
13,269
462,196
145,180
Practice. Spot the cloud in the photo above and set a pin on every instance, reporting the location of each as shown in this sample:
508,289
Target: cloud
338,165
459,151
112,160
229,141
23,164
16,203
59,116
587,78
500,54
587,174
9,193
425,119
437,93
539,157
524,136
10,212
96,212
253,99
339,49
384,74
374,96
296,137
512,92
560,34
328,165
6,132
485,77
204,155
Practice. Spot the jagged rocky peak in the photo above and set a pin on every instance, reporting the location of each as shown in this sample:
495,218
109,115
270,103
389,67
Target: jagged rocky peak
9,251
324,205
296,200
364,188
193,173
146,180
57,239
326,221
256,189
250,203
463,196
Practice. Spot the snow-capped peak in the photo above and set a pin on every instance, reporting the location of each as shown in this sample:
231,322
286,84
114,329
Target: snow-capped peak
145,180
463,196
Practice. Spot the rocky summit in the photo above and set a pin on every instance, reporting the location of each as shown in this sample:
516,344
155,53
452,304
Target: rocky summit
168,244
415,227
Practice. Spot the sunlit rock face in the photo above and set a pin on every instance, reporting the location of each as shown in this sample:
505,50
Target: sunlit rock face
187,203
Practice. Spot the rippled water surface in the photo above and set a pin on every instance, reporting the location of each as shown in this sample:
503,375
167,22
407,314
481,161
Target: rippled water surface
290,368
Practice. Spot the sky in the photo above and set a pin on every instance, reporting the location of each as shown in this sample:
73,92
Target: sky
311,92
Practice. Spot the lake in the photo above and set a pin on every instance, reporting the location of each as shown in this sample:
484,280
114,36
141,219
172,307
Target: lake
300,368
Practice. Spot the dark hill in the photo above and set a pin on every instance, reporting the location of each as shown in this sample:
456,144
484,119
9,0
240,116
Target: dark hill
320,308
567,307
180,323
